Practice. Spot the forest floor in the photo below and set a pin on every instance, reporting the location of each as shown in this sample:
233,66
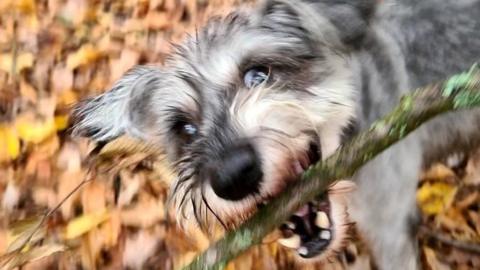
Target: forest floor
53,54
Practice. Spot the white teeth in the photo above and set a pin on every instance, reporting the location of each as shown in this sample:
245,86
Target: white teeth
290,225
298,167
322,220
302,251
326,235
291,242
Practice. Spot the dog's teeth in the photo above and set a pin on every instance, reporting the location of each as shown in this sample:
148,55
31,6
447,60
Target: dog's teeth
291,242
290,225
302,251
325,235
322,220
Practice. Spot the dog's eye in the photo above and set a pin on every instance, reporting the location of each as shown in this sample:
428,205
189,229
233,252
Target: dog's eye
256,76
189,129
185,131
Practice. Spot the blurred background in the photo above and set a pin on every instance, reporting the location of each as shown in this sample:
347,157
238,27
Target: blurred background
57,213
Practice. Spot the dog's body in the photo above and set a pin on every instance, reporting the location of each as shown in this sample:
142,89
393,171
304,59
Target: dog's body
250,101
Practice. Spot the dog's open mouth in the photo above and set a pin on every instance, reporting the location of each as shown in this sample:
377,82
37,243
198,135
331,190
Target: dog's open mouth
319,226
309,230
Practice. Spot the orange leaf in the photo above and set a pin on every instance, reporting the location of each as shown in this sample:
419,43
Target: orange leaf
85,55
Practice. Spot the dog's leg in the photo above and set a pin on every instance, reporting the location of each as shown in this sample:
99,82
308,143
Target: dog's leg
383,206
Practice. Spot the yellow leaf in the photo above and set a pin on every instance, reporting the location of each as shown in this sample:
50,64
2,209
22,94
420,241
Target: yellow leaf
85,55
24,60
34,131
84,224
26,6
434,198
9,143
61,122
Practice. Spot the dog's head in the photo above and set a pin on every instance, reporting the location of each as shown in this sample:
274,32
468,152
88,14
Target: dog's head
243,107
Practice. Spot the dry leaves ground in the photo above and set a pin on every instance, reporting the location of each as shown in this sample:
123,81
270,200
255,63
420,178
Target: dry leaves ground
55,52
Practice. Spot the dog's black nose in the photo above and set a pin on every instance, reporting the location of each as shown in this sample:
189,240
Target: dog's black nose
238,174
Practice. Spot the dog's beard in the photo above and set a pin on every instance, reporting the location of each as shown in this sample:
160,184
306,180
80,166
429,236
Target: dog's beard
314,232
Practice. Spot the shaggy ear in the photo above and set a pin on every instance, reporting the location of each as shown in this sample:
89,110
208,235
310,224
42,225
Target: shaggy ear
346,21
118,110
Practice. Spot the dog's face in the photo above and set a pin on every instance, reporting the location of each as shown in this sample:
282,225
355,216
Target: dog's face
242,109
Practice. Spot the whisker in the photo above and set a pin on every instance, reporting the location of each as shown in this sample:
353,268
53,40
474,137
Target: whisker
213,212
195,214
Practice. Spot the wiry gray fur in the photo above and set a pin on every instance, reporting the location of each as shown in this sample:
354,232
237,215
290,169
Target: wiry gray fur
335,64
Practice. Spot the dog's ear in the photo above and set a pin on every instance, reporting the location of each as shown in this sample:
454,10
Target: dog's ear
346,20
118,110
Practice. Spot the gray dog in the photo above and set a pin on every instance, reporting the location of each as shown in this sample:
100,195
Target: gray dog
249,102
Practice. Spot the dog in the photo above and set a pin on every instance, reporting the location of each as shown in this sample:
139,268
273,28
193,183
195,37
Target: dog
254,98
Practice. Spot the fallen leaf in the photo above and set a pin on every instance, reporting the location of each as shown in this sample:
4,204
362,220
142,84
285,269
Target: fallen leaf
472,170
74,11
455,223
467,201
22,233
111,229
128,59
32,130
24,60
94,197
438,172
433,198
62,79
61,122
27,91
157,20
11,197
145,213
67,182
81,225
9,143
474,216
45,197
26,6
3,241
138,248
67,98
33,254
130,188
85,55
432,260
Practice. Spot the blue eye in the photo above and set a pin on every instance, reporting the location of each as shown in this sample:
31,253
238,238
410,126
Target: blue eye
190,129
256,76
185,130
